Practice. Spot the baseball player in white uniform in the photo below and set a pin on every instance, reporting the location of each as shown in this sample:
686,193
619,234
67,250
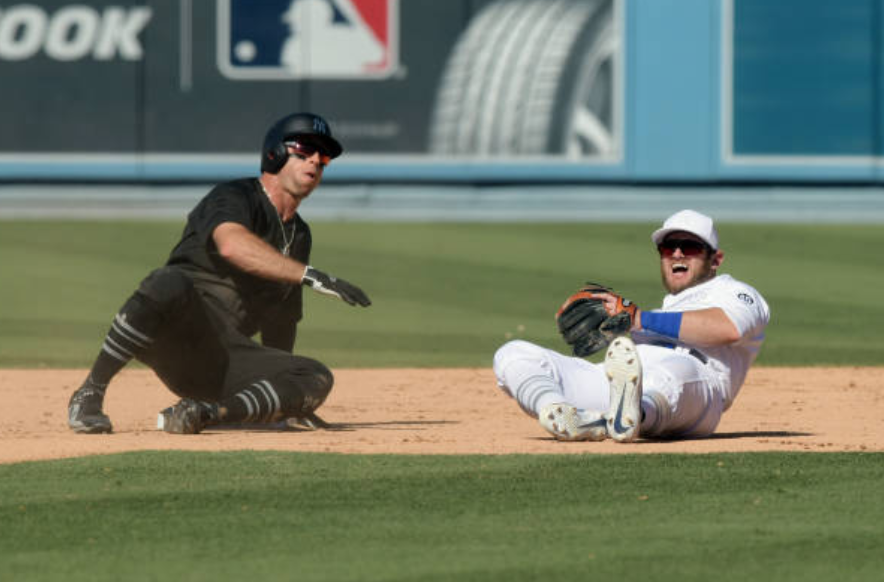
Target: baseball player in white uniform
679,371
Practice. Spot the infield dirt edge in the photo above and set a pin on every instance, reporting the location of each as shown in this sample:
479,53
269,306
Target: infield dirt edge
442,411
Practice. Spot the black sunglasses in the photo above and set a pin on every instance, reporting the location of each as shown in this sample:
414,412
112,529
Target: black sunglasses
305,149
689,247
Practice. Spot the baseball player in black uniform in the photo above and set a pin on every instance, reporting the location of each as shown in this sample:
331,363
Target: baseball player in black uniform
238,270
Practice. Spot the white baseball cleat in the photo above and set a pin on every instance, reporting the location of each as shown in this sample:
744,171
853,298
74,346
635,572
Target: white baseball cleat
624,371
569,423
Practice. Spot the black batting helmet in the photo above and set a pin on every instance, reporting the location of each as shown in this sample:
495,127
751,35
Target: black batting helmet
274,153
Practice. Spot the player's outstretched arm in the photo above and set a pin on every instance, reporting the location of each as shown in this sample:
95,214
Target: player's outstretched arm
243,249
249,253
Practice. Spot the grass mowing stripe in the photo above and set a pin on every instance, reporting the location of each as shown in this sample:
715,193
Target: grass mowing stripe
493,280
192,516
433,283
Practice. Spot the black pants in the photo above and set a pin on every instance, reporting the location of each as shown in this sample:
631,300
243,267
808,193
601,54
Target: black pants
198,354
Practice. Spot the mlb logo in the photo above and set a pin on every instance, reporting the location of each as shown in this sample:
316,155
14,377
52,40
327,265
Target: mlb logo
308,39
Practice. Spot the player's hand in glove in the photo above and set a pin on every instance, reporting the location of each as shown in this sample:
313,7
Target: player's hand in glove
593,316
328,285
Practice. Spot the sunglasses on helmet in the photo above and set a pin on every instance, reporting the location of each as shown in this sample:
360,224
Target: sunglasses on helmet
305,149
689,247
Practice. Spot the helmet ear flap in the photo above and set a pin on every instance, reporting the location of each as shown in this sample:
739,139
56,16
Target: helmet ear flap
274,158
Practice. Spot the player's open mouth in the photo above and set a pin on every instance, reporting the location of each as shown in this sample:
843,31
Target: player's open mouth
679,268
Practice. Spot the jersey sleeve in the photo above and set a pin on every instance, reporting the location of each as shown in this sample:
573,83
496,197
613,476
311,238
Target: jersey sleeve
745,307
223,204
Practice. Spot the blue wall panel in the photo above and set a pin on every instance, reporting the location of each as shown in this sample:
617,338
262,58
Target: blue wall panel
805,77
672,50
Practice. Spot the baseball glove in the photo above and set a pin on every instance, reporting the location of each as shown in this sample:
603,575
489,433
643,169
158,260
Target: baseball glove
585,324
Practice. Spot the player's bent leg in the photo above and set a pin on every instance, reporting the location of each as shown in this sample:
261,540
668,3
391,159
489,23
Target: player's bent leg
291,391
229,379
551,387
524,371
293,394
190,349
131,335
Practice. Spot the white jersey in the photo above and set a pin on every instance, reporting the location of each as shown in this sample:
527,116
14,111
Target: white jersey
745,307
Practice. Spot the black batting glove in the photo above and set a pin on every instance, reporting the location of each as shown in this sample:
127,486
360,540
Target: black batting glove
328,285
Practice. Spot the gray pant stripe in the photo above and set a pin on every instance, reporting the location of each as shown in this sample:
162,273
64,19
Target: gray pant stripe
530,392
255,403
119,348
130,333
259,390
272,397
114,354
251,409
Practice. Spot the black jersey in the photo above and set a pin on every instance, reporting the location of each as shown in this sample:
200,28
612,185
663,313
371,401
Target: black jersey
251,302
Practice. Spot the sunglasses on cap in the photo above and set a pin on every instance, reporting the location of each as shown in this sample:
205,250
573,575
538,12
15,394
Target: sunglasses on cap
689,247
305,149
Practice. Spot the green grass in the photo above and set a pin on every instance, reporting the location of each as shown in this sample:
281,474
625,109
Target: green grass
299,516
445,295
449,294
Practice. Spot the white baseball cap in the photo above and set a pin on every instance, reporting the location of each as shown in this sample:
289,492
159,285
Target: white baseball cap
688,221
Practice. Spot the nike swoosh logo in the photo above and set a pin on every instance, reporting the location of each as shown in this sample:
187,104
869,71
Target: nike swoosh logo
599,422
618,424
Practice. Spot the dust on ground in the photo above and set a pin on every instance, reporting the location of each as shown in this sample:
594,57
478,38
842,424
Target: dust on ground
441,411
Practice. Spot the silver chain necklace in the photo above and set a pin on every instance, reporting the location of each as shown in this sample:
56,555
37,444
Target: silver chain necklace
287,242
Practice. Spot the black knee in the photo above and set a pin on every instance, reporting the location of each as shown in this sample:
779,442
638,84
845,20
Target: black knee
317,382
306,386
323,377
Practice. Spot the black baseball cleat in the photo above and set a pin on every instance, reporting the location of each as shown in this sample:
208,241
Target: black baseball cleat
84,410
188,416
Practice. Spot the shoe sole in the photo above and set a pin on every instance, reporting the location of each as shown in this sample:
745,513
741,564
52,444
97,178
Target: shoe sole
565,424
624,371
306,423
82,428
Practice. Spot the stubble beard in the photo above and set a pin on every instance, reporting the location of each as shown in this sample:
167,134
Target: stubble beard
703,274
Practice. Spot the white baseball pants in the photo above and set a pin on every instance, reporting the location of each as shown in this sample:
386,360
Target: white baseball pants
682,397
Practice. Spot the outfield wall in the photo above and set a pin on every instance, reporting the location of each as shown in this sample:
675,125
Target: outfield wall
454,92
466,203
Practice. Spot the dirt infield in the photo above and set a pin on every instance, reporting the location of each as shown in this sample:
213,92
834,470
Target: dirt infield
441,411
